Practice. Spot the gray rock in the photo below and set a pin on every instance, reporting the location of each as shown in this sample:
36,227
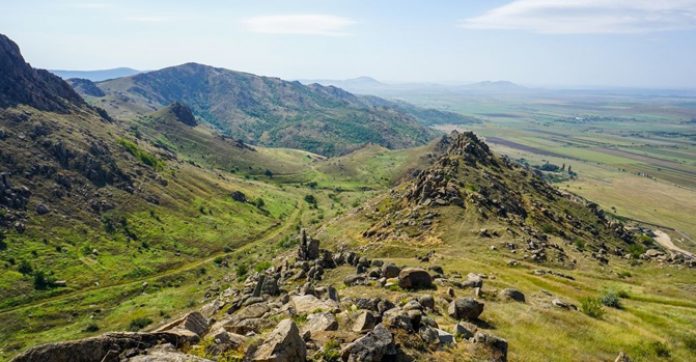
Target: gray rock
332,293
427,301
465,330
445,338
42,209
373,347
465,308
396,318
355,279
284,344
390,271
320,322
497,346
223,341
514,294
364,322
415,278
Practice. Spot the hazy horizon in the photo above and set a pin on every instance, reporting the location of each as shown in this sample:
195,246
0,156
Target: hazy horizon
595,43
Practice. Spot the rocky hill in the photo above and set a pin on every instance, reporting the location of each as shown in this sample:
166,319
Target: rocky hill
264,110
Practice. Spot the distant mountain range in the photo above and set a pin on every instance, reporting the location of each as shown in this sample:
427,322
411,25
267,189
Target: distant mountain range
269,111
96,75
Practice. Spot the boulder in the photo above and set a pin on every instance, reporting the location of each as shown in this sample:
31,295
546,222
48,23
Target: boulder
223,341
497,346
415,278
364,322
427,301
355,279
305,304
465,330
391,271
196,323
465,308
320,322
372,347
445,338
514,294
308,248
562,304
622,357
284,344
397,318
42,209
238,196
165,353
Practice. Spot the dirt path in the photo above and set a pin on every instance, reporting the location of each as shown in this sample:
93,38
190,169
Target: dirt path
665,240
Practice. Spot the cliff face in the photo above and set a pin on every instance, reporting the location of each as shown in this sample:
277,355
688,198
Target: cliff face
21,84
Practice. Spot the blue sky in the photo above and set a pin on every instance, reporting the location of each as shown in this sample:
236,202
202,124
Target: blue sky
634,43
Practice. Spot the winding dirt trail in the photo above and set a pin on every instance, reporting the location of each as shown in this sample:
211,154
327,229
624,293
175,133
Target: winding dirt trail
665,240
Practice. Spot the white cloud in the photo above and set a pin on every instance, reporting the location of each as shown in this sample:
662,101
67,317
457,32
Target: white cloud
307,24
589,16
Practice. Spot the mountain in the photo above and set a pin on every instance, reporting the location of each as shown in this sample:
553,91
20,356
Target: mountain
263,110
494,87
96,75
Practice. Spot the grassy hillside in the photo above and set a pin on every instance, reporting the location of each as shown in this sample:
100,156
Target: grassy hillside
268,111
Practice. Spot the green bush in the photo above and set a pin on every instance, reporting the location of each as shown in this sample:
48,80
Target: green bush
592,307
611,299
142,155
24,267
660,349
262,266
310,199
91,328
42,281
241,270
331,351
139,323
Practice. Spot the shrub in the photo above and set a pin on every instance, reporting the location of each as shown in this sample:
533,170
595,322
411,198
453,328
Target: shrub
660,349
25,268
241,270
262,266
611,299
144,156
331,351
139,323
636,250
592,307
91,328
310,199
690,342
42,281
260,203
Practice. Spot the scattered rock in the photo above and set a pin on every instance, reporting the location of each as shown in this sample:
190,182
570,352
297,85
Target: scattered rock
514,294
42,209
284,344
320,322
464,330
372,347
497,346
364,322
465,308
415,278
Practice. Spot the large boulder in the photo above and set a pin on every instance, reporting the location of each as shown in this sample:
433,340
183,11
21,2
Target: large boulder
364,322
223,341
196,323
372,347
498,347
390,270
165,353
305,304
415,278
308,248
320,322
514,294
465,308
105,348
284,344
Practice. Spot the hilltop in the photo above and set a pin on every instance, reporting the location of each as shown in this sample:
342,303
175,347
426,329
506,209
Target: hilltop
96,75
263,110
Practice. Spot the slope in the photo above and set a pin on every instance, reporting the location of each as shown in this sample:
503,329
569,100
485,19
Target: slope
264,110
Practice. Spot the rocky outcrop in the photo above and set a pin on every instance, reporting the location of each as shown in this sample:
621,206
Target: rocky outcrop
22,84
284,344
373,347
465,308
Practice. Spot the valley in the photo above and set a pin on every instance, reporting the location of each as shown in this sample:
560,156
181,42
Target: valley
158,201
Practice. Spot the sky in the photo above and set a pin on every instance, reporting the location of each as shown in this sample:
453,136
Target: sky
619,43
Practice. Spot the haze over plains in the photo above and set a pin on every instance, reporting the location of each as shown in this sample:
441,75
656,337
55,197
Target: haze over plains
531,42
